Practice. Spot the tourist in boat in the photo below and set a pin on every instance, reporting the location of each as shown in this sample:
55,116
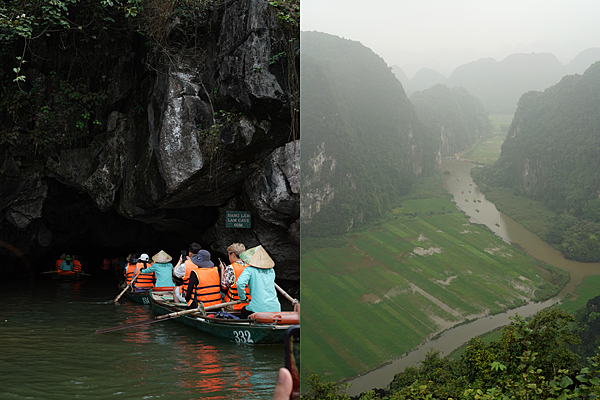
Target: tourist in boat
236,268
144,281
182,270
67,264
60,261
163,269
259,276
77,264
130,269
205,283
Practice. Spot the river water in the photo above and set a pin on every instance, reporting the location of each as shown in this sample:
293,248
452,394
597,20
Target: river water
48,349
460,184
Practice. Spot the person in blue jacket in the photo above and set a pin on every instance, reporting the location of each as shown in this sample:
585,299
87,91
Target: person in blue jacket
67,264
259,276
163,269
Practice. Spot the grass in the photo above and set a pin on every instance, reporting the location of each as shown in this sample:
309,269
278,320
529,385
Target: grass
588,289
391,286
487,150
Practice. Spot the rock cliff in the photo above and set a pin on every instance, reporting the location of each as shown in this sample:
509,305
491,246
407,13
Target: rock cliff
192,118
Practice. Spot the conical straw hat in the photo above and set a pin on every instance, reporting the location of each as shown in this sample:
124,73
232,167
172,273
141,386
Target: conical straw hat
162,257
257,257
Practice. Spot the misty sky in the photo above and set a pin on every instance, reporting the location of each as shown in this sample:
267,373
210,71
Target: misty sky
443,34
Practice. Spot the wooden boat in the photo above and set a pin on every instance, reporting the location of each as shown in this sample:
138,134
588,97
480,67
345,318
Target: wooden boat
66,275
248,331
141,296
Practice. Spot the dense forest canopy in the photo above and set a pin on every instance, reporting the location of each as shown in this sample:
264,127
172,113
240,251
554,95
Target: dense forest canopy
551,155
362,141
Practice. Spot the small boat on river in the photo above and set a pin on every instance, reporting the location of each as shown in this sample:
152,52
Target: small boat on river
66,275
248,331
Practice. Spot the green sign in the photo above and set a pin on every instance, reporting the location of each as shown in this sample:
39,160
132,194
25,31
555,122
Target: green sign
238,219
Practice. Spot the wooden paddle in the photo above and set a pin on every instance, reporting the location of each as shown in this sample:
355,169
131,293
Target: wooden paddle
287,296
127,287
165,317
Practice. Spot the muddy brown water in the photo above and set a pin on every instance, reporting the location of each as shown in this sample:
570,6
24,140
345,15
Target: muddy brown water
460,184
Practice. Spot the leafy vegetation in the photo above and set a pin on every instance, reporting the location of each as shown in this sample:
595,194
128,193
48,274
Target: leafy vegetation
66,64
71,43
533,359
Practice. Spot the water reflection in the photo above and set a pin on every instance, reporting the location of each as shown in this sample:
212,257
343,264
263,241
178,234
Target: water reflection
49,351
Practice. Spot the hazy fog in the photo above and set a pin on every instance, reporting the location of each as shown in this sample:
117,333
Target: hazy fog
441,34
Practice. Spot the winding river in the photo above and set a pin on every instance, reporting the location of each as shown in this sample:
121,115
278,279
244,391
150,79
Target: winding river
460,184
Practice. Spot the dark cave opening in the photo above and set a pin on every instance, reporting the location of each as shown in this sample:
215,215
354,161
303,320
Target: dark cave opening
72,224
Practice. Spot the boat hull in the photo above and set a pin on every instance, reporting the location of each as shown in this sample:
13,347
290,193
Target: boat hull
62,276
244,331
141,296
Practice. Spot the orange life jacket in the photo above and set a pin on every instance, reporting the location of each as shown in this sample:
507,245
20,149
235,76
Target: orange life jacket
208,290
58,262
76,266
189,267
130,272
144,280
232,292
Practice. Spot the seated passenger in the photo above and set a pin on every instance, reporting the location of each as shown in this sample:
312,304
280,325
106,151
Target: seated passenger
60,261
144,281
259,276
182,270
204,284
163,269
131,268
76,264
67,264
231,273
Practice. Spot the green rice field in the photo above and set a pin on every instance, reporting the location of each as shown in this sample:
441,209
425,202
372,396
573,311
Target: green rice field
487,150
391,287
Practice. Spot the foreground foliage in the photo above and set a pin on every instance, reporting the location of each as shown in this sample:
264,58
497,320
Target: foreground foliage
532,360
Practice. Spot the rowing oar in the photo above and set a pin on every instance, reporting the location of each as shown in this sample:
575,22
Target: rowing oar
287,296
165,317
127,287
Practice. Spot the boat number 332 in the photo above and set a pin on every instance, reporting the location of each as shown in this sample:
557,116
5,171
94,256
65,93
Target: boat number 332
242,337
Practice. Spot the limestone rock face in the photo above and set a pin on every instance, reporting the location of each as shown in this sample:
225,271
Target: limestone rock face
188,133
